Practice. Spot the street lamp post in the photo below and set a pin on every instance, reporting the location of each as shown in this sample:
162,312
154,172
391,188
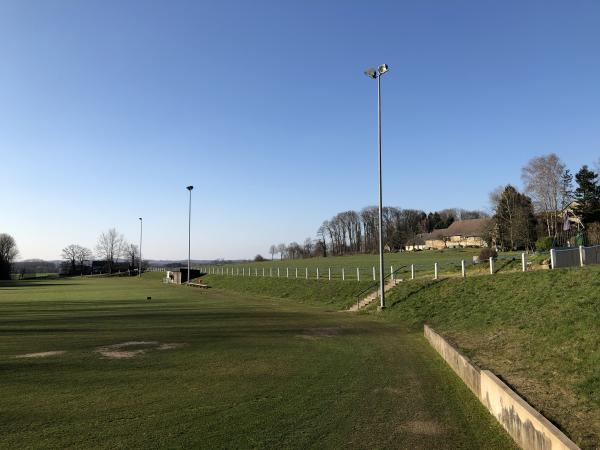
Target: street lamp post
189,188
140,265
376,75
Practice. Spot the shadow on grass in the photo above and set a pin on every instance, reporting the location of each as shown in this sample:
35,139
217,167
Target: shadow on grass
31,283
416,291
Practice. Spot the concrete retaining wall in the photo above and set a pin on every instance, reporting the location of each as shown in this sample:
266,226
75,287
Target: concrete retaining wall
464,368
529,429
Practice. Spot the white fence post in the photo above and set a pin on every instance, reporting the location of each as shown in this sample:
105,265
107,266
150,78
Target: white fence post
552,258
329,274
412,271
435,271
343,274
357,274
581,256
492,266
317,273
463,268
270,271
374,273
278,272
296,272
524,261
255,272
306,272
263,271
287,272
238,271
392,272
243,271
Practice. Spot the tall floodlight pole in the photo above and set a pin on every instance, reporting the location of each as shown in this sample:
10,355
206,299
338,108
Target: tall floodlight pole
189,188
140,265
376,75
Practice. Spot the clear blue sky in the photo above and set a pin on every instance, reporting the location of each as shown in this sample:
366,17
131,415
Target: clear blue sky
108,109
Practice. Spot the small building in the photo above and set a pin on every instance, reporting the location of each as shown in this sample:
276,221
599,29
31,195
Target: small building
179,275
460,234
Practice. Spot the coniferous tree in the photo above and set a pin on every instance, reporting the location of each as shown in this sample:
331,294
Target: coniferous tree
514,218
587,195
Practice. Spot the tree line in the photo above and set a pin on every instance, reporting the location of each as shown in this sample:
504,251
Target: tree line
536,217
112,252
518,219
111,248
353,232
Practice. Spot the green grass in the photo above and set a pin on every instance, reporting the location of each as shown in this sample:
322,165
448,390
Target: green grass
253,372
539,331
449,264
334,294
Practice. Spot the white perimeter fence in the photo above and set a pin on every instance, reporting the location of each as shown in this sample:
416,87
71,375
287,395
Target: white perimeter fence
570,257
361,273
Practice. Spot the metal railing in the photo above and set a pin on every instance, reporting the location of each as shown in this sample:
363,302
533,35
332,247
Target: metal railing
375,284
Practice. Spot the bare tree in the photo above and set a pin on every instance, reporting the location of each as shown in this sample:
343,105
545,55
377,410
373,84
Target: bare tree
281,248
69,254
110,247
272,251
8,253
132,253
294,250
544,179
83,254
308,247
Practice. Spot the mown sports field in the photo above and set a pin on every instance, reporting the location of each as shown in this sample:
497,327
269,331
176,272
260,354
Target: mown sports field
220,369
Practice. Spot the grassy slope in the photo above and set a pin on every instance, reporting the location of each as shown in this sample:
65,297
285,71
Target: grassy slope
366,261
253,373
539,331
335,293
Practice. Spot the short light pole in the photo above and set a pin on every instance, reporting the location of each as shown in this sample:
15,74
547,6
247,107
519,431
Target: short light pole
140,265
376,75
189,188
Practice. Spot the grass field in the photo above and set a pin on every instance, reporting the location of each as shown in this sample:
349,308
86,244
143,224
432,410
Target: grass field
539,331
449,264
220,369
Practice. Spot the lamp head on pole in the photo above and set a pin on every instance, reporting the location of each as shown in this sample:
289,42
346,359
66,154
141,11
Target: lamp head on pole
371,73
140,218
376,73
189,188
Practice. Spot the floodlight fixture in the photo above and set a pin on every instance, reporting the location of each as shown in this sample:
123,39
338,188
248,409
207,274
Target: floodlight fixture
383,68
371,73
189,188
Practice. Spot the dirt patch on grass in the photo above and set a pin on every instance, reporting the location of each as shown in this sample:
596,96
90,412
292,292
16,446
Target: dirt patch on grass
423,428
42,354
317,333
131,349
170,346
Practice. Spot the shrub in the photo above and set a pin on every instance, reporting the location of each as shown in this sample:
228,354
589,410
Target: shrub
593,233
487,253
259,258
543,244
